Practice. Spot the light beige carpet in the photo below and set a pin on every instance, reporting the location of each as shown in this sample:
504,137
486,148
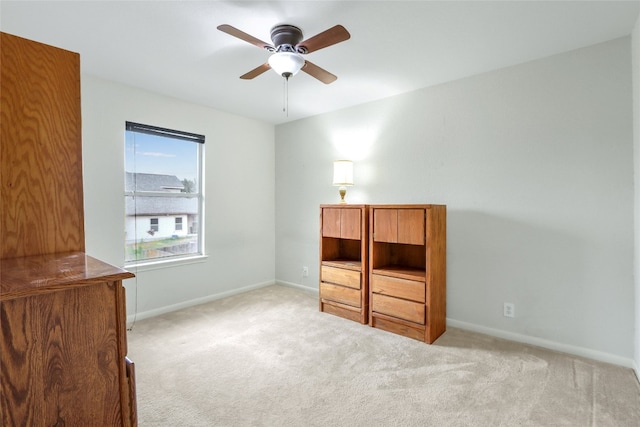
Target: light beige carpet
270,358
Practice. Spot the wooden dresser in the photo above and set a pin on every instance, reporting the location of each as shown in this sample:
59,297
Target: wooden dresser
386,265
407,250
63,341
343,261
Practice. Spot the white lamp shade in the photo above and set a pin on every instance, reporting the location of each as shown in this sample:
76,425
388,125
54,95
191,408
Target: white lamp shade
343,172
286,64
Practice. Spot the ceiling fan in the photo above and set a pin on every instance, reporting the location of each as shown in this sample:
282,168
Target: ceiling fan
287,50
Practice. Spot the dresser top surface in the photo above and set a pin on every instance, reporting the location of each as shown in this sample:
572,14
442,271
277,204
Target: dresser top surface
25,276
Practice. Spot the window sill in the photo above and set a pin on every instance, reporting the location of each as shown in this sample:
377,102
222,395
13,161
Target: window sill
167,263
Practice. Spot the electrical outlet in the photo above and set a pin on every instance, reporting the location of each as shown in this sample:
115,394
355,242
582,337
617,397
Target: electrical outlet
509,309
305,271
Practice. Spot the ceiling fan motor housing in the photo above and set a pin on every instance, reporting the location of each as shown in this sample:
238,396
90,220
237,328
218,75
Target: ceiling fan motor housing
286,37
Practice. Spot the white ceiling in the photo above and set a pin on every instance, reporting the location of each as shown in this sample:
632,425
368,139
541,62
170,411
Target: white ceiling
174,48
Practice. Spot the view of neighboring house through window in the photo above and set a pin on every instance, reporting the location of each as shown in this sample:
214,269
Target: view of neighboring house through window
163,193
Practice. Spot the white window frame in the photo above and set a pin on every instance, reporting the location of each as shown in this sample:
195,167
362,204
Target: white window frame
197,194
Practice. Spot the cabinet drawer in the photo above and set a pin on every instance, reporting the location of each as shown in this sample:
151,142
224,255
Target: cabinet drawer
340,294
400,308
395,287
341,276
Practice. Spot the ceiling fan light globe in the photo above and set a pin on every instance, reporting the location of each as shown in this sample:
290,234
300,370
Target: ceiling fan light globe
286,64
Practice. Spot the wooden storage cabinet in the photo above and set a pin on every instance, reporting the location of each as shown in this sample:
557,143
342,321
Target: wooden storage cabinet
407,249
40,149
344,251
63,342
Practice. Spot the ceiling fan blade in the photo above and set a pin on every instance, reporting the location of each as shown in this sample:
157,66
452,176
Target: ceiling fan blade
319,73
326,38
256,71
244,36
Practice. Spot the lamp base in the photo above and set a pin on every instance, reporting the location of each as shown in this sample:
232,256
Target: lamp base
343,192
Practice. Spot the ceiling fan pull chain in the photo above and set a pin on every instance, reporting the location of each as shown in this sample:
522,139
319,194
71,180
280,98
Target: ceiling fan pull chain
285,100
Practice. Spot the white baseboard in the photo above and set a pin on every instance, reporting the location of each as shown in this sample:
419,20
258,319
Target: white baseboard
174,307
636,370
313,290
551,345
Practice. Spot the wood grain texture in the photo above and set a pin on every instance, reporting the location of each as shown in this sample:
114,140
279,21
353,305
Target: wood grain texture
350,224
62,313
397,326
410,266
397,307
130,396
340,294
341,310
41,198
411,226
397,287
344,261
341,249
402,272
398,256
37,274
63,342
393,225
341,276
330,222
436,272
60,356
385,225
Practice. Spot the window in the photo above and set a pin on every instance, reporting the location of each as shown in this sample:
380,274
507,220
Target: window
153,225
163,193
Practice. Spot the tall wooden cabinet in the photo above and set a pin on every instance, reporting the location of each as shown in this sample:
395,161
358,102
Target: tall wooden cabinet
407,250
344,260
62,313
40,149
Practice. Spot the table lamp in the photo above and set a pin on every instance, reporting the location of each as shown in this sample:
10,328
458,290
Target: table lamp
342,176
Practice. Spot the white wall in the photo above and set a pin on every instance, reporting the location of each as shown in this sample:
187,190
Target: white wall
239,213
636,146
535,163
